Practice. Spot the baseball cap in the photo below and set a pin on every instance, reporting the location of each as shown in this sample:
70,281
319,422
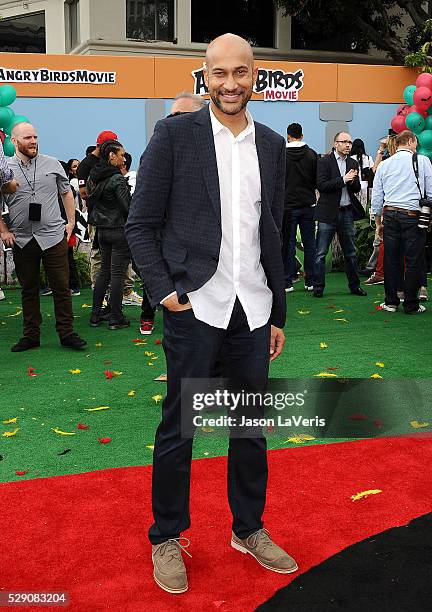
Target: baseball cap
106,135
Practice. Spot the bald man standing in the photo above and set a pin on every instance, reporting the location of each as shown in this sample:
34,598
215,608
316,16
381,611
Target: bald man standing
38,233
213,183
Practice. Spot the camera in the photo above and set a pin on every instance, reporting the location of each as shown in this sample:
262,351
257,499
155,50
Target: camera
425,213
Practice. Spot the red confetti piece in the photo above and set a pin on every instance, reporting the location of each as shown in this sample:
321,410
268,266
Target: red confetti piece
359,416
82,426
332,369
379,308
104,440
108,374
378,423
138,341
31,371
21,472
158,341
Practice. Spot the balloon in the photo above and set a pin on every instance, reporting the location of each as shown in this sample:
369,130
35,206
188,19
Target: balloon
18,119
8,147
423,151
424,80
398,124
429,110
7,95
5,115
425,139
414,109
408,94
403,110
415,122
422,98
428,123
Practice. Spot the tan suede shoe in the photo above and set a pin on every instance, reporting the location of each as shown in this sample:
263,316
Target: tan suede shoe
169,569
265,551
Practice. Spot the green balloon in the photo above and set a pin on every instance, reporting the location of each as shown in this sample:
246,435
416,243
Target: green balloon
408,94
425,139
8,147
428,123
424,151
7,115
7,95
415,122
429,110
24,119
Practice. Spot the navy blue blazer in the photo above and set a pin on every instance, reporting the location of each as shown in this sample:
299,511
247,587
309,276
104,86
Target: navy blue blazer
174,223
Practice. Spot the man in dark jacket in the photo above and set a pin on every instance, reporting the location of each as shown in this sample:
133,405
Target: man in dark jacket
337,209
300,185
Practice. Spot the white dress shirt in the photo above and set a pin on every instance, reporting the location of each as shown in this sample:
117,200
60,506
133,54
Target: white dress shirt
239,272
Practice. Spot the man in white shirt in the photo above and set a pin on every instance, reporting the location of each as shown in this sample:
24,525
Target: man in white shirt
213,182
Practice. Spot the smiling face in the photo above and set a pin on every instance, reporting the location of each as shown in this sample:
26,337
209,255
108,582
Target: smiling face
229,73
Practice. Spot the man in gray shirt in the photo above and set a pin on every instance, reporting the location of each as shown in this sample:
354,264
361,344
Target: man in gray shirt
38,233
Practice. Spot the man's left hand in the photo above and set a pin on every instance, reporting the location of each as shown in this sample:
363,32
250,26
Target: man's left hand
277,341
69,228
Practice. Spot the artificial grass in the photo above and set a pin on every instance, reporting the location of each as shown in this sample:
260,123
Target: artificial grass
57,398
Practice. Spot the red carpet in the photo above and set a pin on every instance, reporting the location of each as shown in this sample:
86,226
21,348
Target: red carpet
86,534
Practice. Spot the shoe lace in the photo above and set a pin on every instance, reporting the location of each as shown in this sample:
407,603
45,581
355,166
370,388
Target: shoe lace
172,548
261,537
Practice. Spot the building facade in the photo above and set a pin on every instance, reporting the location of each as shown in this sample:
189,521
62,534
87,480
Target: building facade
155,27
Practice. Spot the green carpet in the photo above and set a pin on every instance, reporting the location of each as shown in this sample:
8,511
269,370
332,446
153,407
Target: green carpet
57,398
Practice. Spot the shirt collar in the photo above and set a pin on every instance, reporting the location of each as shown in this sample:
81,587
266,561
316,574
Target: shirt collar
28,164
405,151
339,157
217,126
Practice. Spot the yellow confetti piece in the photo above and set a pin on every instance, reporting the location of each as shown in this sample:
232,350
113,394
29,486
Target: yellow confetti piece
155,357
326,375
364,494
62,433
157,398
131,393
117,373
323,345
150,363
9,421
376,376
148,353
303,312
300,439
77,371
98,344
98,408
9,434
207,429
150,446
86,306
16,314
379,364
344,320
418,424
339,311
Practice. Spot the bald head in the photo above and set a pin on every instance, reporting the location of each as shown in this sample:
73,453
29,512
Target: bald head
24,137
226,45
230,74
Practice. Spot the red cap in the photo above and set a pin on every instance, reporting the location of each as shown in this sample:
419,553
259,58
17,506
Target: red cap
106,135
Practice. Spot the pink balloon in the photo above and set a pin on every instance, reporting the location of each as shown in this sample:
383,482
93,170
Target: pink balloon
403,110
398,124
415,109
424,80
422,98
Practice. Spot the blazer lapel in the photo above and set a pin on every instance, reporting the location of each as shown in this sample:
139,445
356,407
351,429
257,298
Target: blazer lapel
266,166
207,156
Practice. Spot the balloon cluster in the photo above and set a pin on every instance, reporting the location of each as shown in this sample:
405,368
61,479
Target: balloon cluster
416,114
8,118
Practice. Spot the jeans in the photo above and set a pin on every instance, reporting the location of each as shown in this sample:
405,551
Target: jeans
192,348
403,238
344,227
303,218
115,258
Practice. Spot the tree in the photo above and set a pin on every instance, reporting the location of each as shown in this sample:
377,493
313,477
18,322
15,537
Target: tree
363,23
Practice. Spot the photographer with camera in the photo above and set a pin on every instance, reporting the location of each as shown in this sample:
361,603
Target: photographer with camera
402,209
